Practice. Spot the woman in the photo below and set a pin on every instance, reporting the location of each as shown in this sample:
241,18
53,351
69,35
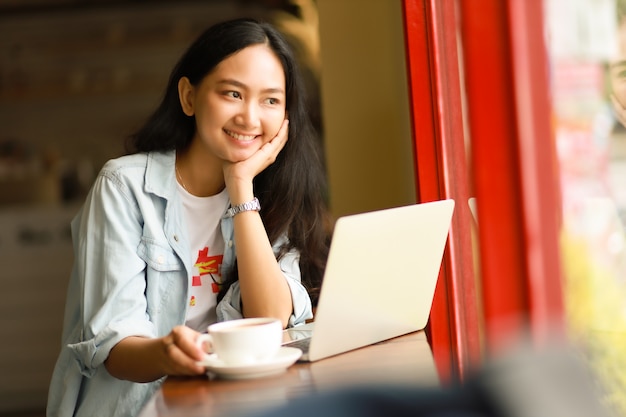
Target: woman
218,214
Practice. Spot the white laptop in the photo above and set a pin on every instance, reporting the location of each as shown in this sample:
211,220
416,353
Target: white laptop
380,279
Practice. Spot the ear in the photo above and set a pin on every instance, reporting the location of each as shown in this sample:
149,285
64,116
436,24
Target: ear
186,95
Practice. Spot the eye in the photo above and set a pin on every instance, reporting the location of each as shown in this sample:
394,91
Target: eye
233,94
272,101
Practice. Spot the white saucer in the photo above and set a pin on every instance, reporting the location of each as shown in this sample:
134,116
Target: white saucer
285,357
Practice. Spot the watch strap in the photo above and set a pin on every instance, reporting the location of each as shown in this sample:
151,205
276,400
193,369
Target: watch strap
252,205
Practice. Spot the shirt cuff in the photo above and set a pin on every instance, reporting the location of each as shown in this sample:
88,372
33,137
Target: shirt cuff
92,353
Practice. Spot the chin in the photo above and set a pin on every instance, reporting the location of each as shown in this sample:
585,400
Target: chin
240,157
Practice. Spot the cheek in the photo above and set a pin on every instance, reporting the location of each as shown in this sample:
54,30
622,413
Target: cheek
619,88
273,124
212,110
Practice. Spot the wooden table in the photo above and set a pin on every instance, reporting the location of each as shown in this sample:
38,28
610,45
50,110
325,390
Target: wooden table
403,360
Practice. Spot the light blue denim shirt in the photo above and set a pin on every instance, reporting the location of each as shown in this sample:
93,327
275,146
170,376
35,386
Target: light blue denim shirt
131,278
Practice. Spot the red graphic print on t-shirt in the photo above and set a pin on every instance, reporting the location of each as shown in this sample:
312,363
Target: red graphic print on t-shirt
208,265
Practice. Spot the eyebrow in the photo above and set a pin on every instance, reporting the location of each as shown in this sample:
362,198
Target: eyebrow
235,83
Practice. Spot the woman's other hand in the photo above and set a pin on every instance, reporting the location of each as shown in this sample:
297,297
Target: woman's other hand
182,352
142,359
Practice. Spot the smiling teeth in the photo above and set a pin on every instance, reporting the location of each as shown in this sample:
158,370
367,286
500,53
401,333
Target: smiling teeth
239,137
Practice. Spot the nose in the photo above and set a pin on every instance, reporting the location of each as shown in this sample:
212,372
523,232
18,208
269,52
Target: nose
248,115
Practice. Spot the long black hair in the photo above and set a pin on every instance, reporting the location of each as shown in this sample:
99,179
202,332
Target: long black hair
292,190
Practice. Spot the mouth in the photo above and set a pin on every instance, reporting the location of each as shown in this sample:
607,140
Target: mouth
239,137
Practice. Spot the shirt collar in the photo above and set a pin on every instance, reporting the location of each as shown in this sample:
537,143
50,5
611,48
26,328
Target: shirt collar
160,177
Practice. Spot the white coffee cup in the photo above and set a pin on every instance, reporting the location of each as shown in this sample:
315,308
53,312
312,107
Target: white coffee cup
243,341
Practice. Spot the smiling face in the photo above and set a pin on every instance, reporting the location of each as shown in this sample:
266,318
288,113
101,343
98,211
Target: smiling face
239,106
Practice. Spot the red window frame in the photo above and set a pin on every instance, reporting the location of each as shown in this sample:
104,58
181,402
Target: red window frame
440,169
512,165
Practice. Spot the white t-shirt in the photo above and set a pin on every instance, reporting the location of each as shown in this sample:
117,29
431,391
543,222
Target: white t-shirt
202,215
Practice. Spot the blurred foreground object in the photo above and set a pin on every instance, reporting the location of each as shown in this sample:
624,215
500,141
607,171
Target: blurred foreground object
525,383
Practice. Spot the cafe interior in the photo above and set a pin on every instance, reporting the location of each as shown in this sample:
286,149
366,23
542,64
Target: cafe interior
515,109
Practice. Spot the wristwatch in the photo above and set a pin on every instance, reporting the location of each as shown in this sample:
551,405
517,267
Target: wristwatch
253,205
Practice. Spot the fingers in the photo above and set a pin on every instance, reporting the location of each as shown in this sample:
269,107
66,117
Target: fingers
273,147
283,131
244,171
185,338
181,352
